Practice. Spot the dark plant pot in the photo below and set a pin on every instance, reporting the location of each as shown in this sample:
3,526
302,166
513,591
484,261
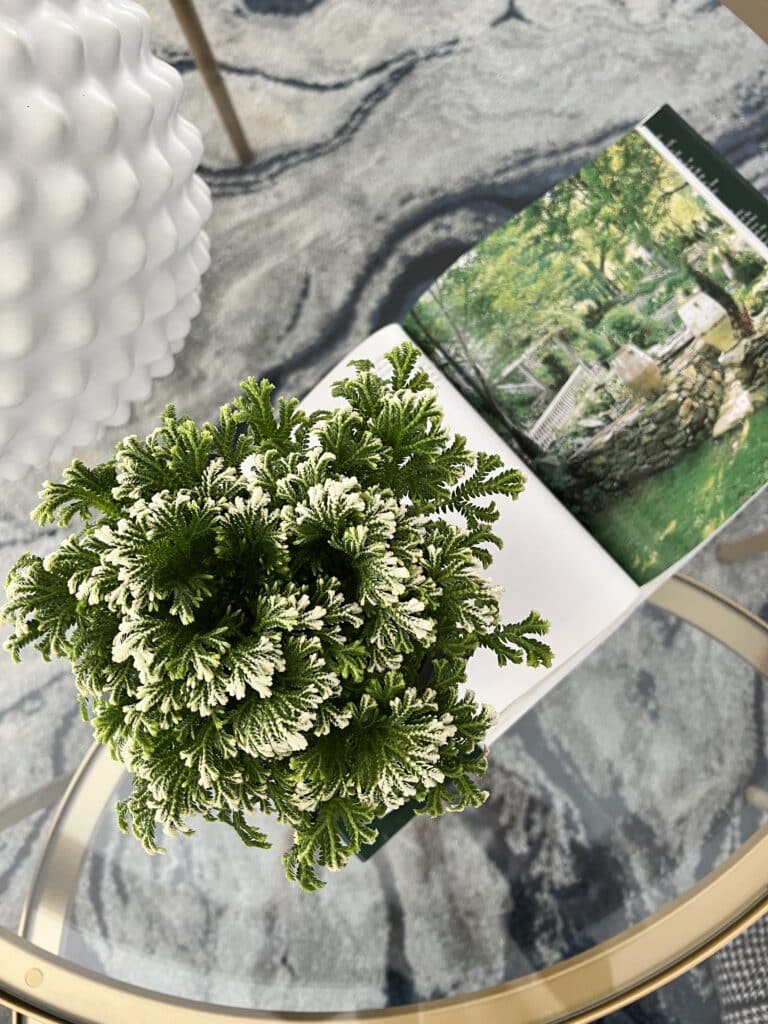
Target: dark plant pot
390,824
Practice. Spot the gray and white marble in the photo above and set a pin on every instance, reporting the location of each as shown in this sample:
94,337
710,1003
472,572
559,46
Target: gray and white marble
390,136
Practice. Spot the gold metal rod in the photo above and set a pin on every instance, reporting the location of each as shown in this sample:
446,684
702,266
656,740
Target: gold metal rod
718,616
757,796
753,12
32,802
739,550
203,56
44,915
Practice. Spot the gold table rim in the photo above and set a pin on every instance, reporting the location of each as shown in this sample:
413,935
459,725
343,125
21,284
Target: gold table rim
41,985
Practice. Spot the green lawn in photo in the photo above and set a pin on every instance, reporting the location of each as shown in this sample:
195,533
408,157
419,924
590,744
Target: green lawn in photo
657,521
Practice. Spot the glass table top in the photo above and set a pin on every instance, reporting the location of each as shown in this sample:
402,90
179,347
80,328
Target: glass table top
387,141
634,780
611,799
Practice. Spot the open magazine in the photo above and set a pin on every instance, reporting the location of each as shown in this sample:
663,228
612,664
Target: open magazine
611,341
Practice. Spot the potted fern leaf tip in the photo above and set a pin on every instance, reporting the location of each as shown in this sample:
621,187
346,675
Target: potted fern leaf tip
273,613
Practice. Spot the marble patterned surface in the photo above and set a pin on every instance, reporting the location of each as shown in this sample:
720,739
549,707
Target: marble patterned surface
389,137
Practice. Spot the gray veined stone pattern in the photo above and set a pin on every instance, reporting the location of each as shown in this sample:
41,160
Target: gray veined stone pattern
390,136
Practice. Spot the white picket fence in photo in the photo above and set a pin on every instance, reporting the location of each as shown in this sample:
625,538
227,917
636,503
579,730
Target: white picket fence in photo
555,417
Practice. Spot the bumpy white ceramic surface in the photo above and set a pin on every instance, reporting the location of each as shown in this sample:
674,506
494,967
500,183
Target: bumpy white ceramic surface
101,215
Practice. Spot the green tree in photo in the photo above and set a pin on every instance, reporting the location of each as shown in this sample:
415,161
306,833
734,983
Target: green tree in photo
624,325
553,287
635,209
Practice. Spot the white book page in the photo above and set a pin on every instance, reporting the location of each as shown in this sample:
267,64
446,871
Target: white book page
549,562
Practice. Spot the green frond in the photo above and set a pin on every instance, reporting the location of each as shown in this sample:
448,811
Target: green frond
231,443
520,641
248,538
209,752
188,448
348,661
364,392
84,491
339,829
138,816
488,478
403,359
254,408
251,665
40,609
397,752
355,448
250,834
276,727
398,628
74,561
457,794
141,468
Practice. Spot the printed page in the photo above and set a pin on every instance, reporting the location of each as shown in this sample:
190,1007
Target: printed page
615,335
549,562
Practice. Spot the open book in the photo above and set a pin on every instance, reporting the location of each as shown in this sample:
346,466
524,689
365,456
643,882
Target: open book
612,342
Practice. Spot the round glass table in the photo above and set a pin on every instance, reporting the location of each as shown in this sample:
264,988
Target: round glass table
625,836
595,873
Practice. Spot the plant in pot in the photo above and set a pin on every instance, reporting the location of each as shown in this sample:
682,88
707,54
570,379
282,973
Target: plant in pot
274,613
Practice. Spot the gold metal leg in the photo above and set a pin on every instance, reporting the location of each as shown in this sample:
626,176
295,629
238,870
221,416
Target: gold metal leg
739,550
195,35
33,802
45,911
754,12
757,797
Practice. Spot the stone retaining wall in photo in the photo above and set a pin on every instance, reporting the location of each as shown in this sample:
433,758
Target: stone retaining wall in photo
656,432
756,360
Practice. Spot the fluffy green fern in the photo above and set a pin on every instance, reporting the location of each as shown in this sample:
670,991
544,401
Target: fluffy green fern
273,614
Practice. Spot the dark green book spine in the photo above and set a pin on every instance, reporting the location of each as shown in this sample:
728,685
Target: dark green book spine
711,169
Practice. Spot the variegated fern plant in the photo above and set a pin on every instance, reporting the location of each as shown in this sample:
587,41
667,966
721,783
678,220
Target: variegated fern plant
273,614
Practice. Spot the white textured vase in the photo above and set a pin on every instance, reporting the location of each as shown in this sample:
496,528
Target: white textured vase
101,215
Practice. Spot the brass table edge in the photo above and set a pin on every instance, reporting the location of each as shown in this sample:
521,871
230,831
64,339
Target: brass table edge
40,985
753,12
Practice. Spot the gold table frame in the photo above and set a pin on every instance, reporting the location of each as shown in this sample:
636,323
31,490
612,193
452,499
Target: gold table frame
39,985
753,12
